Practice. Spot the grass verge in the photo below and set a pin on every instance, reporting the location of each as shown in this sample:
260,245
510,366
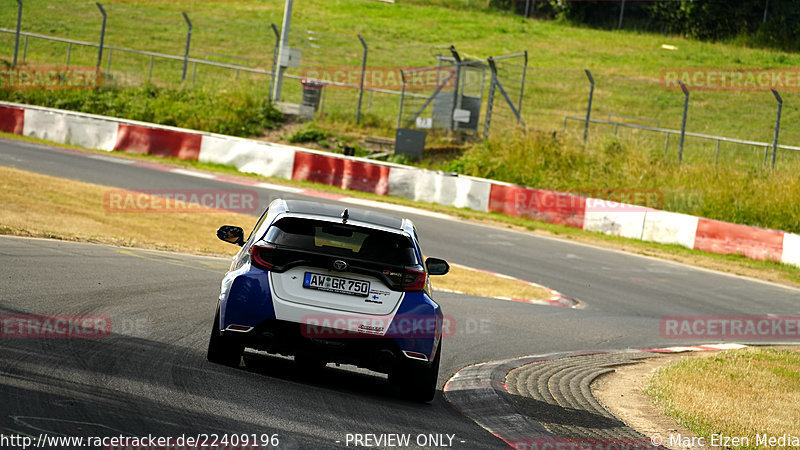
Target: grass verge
43,206
738,393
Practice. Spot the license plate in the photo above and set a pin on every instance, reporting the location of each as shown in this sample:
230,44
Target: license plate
339,285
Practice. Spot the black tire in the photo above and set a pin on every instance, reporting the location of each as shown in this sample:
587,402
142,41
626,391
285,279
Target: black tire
222,349
417,381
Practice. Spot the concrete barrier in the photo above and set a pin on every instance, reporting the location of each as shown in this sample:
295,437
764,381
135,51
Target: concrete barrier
791,249
12,120
730,238
248,156
613,218
342,172
71,129
547,206
441,188
158,141
669,228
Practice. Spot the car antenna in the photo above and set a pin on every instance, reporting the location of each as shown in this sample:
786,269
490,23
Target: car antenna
345,216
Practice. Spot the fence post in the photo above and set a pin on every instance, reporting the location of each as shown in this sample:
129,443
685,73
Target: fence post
188,42
361,84
621,13
500,87
19,24
402,98
777,126
683,122
274,59
492,86
456,87
588,106
284,42
102,35
522,88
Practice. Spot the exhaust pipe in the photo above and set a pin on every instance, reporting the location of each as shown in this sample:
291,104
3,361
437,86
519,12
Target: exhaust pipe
386,360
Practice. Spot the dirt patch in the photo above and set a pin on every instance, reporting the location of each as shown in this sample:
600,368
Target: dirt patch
622,393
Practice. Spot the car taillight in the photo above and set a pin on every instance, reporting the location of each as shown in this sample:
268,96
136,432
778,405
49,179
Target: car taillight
261,257
414,280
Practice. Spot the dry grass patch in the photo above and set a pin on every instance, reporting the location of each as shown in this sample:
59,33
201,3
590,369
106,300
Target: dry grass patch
747,392
483,284
43,206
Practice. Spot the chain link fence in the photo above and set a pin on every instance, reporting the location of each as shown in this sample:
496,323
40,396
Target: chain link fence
388,84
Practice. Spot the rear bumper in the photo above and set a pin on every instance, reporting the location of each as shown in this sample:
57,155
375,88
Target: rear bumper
248,312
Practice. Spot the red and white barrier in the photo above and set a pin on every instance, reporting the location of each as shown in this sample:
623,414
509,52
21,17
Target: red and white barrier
729,238
12,119
248,156
158,141
669,228
73,129
547,206
340,171
613,218
280,161
437,187
791,249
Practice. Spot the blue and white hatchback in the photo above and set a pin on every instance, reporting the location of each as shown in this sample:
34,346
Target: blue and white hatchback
326,284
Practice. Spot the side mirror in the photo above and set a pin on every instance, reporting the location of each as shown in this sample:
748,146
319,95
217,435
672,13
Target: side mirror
231,234
437,266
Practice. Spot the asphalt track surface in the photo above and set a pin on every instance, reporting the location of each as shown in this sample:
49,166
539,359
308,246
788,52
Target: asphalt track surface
150,376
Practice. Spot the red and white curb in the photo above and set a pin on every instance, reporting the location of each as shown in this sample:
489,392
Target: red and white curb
479,391
556,298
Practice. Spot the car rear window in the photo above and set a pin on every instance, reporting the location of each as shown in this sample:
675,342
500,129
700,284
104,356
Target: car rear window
343,240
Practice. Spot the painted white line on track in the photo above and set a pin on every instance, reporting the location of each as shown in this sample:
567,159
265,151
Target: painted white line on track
398,208
112,159
192,173
279,187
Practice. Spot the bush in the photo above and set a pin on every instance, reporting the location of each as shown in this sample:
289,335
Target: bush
239,112
308,133
699,19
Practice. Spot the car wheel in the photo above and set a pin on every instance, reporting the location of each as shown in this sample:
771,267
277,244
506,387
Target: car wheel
417,381
222,349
